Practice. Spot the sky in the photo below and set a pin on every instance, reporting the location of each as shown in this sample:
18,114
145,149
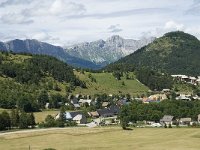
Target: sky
66,22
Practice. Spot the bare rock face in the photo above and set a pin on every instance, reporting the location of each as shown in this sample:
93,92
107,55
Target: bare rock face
105,52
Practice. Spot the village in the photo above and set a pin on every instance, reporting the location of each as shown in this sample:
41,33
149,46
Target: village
108,113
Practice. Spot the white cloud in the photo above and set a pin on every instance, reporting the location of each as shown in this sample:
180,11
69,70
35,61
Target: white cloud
171,25
67,8
65,21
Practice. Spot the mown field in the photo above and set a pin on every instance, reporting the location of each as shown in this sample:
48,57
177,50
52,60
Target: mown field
106,83
105,138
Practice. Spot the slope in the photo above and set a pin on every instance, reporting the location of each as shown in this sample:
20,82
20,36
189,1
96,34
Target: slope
100,83
174,53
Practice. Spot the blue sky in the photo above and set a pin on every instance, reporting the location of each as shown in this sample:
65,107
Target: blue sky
64,22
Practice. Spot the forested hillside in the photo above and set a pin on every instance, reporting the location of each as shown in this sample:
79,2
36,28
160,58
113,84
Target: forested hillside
174,53
29,80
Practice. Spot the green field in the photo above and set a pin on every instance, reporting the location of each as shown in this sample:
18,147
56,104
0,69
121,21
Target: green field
106,83
40,116
108,138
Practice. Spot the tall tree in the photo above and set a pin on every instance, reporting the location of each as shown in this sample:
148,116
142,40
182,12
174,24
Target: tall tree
32,120
23,121
14,116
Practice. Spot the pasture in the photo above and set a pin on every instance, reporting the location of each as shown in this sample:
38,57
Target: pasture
108,138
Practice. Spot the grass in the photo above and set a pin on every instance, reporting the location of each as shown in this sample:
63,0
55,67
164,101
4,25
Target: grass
109,138
106,83
40,116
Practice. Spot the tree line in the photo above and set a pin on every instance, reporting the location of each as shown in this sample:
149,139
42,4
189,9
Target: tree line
16,119
138,111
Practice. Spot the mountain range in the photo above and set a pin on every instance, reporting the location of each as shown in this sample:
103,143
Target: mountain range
93,55
104,52
36,47
174,53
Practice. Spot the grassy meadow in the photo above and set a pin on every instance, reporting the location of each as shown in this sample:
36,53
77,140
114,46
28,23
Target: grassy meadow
108,138
106,83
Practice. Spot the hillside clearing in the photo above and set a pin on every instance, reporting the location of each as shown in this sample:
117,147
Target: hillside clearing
109,138
106,83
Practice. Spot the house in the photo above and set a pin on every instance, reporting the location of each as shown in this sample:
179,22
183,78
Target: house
158,97
75,103
93,114
105,104
198,118
185,121
109,112
76,116
80,119
105,112
167,119
187,79
166,90
183,97
83,101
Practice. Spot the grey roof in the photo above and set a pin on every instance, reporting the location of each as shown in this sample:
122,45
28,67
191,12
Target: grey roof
75,113
111,111
105,112
167,118
74,101
76,105
114,109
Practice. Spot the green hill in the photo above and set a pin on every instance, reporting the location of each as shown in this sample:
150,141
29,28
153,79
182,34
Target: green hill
174,53
100,83
30,81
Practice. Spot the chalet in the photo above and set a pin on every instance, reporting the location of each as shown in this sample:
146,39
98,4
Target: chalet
75,103
167,119
78,117
109,112
185,121
158,97
105,112
183,97
84,101
187,79
165,90
93,114
105,104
